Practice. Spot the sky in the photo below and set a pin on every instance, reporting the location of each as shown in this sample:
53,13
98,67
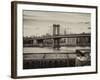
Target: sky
38,23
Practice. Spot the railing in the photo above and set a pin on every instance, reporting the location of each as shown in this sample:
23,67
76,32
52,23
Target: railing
44,61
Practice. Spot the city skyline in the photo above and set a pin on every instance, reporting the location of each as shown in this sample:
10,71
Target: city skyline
38,23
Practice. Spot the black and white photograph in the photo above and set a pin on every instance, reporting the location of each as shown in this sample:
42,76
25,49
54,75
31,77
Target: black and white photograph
56,39
53,39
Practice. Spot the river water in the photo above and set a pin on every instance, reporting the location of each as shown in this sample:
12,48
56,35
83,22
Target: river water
51,50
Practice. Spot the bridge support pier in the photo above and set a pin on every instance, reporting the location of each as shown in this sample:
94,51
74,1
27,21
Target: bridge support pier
56,44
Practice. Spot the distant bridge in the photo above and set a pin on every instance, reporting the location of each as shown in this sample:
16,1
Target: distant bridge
81,39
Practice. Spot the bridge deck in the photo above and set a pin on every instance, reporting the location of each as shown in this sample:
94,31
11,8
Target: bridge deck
63,36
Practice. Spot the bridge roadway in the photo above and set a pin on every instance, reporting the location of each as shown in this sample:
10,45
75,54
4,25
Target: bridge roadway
63,36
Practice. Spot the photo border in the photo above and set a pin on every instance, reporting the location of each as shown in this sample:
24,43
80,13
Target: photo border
14,37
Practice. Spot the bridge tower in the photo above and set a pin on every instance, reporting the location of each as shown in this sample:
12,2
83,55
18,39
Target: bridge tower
56,29
56,32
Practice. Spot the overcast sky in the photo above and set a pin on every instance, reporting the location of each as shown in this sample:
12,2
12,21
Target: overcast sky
41,22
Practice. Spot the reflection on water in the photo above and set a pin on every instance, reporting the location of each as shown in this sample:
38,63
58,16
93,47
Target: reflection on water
51,50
